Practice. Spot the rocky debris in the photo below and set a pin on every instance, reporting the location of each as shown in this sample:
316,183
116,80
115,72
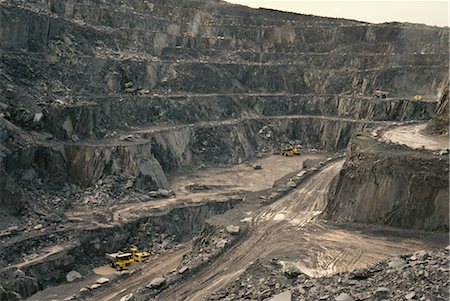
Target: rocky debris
284,296
232,229
183,270
129,297
10,231
129,138
309,163
203,187
17,284
156,283
396,262
419,276
161,193
102,280
257,166
344,297
38,227
28,175
260,281
290,270
222,243
208,245
3,294
420,255
72,276
291,184
95,286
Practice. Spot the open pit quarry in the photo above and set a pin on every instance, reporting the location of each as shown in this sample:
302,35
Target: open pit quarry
160,124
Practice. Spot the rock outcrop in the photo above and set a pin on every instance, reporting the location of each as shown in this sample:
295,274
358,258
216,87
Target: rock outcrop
392,185
439,124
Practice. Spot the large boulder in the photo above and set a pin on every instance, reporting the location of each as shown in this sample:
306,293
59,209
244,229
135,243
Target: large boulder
290,270
102,280
72,276
157,282
232,229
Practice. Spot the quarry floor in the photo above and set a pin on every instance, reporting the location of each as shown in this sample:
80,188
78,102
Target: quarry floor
289,229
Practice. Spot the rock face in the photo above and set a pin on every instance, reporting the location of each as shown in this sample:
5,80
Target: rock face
391,185
439,124
12,200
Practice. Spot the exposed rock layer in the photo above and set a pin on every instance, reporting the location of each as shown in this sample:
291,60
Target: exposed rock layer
392,185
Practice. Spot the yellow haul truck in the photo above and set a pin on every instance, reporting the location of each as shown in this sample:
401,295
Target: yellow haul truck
121,261
290,151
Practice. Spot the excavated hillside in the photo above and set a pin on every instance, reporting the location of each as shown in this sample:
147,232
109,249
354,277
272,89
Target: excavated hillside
141,117
438,125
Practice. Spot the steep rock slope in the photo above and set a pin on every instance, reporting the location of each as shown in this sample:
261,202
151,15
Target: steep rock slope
439,124
392,185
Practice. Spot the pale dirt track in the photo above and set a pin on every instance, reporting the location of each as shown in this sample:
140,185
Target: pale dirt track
413,137
290,229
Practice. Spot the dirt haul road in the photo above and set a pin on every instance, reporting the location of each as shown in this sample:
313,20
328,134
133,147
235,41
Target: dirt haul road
413,137
289,229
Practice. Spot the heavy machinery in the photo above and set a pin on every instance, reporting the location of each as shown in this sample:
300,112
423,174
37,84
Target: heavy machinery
121,261
418,97
139,256
290,151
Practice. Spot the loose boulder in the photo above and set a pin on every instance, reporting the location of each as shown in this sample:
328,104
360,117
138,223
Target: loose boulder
157,282
72,276
232,229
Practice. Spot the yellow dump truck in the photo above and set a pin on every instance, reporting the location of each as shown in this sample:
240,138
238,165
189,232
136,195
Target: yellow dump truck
290,151
121,261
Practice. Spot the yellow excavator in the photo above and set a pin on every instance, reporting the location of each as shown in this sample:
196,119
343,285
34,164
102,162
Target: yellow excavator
121,261
290,151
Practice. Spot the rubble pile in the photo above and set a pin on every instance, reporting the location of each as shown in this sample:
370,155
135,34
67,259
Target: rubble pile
419,276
